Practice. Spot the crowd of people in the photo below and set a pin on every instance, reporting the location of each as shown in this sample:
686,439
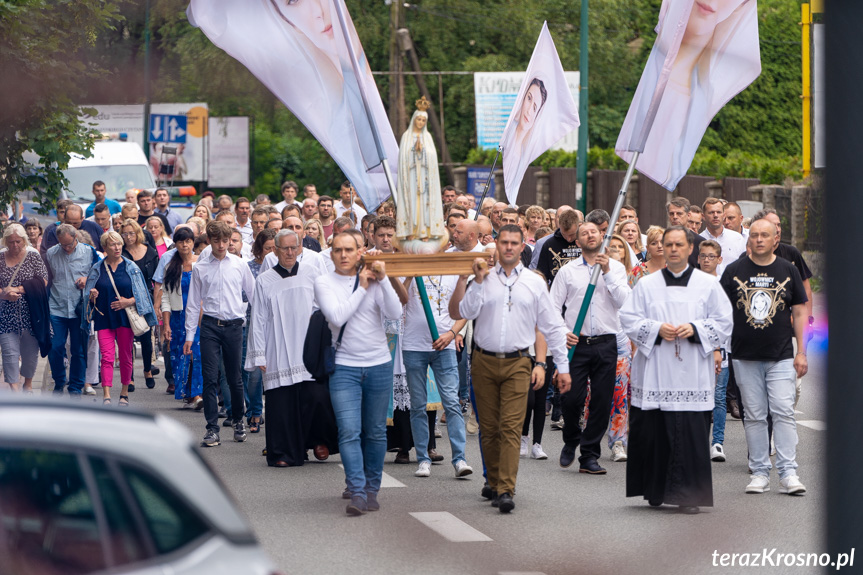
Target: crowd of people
267,317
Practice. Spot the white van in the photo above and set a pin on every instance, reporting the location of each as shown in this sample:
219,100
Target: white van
121,165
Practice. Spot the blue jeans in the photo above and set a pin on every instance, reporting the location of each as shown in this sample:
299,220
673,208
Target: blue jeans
253,383
769,387
360,397
720,410
445,368
68,327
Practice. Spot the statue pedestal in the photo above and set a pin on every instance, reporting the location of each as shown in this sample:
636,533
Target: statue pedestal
447,264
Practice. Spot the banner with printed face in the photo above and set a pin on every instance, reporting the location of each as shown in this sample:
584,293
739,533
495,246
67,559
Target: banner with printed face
544,113
298,50
706,52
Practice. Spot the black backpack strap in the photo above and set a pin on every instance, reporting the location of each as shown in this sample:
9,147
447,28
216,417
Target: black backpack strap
342,331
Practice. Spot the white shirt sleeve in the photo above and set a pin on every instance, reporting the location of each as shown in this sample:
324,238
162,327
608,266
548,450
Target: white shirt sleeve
335,309
193,304
471,304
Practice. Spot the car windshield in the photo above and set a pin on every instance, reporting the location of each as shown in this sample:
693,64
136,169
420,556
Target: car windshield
117,180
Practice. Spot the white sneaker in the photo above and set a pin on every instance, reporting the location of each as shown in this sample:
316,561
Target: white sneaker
717,453
462,469
791,485
88,390
525,446
537,452
437,432
424,470
758,484
557,424
618,453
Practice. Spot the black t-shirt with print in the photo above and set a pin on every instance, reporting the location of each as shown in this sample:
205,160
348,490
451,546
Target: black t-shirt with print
762,297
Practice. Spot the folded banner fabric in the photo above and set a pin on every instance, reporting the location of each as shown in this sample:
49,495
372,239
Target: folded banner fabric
544,113
298,50
706,52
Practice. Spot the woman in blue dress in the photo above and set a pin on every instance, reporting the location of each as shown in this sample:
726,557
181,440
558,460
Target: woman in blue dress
178,275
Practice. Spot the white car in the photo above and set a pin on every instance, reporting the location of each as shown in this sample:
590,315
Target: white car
89,490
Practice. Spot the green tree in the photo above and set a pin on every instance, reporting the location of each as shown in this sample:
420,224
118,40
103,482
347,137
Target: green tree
43,55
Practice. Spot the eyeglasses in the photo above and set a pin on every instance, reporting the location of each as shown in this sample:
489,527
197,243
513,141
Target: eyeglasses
128,234
708,257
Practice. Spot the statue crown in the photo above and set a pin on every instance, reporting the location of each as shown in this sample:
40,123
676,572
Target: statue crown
422,104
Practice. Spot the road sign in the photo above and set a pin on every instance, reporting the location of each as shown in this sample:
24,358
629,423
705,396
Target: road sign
165,128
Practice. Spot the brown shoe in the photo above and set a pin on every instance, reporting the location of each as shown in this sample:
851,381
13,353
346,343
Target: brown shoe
734,409
403,457
170,389
321,452
435,456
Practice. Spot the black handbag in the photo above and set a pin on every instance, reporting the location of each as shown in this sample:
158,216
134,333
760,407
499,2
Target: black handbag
319,353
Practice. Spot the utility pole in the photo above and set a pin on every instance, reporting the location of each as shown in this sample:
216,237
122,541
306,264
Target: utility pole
396,80
581,157
407,46
147,79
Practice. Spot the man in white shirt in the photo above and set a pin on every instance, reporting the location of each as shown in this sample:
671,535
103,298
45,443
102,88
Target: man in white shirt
595,356
465,201
507,303
289,193
228,218
733,244
216,293
243,209
733,220
346,192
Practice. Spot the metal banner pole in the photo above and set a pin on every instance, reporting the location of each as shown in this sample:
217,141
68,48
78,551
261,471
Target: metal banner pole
487,183
594,277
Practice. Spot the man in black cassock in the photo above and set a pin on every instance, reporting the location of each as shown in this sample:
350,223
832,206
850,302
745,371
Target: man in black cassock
676,317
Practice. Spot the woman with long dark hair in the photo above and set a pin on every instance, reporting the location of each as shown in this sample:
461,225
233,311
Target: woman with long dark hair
188,380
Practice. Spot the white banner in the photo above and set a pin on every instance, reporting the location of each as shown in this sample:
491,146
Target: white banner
228,152
706,52
544,112
190,163
299,52
127,120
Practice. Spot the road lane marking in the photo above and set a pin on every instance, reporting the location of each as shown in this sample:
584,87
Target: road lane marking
387,480
449,526
813,424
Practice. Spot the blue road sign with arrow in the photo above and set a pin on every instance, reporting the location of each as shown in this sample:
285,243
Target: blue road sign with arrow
168,129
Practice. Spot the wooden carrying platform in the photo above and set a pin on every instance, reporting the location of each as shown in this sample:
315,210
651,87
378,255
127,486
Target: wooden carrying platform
408,265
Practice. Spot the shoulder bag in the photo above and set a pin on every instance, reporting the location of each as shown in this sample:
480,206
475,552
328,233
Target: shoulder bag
137,322
319,353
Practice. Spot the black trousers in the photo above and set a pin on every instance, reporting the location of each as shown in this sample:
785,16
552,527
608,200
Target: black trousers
597,363
221,343
536,406
146,341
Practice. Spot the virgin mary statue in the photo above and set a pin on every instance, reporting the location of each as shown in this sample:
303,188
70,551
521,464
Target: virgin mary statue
420,226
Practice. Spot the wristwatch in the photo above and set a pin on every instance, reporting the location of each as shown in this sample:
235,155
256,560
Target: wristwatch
541,364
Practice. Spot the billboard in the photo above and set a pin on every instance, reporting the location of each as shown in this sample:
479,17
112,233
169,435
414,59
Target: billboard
190,162
228,152
127,120
495,94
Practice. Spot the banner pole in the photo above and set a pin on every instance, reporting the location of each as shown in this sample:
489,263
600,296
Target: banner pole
487,183
594,277
382,155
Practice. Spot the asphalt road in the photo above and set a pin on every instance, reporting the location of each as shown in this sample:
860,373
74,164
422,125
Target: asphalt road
564,522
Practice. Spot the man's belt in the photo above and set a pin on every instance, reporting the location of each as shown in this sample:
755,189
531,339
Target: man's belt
509,355
221,322
595,339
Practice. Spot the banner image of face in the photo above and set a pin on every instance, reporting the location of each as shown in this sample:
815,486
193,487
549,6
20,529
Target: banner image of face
706,52
298,50
544,113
